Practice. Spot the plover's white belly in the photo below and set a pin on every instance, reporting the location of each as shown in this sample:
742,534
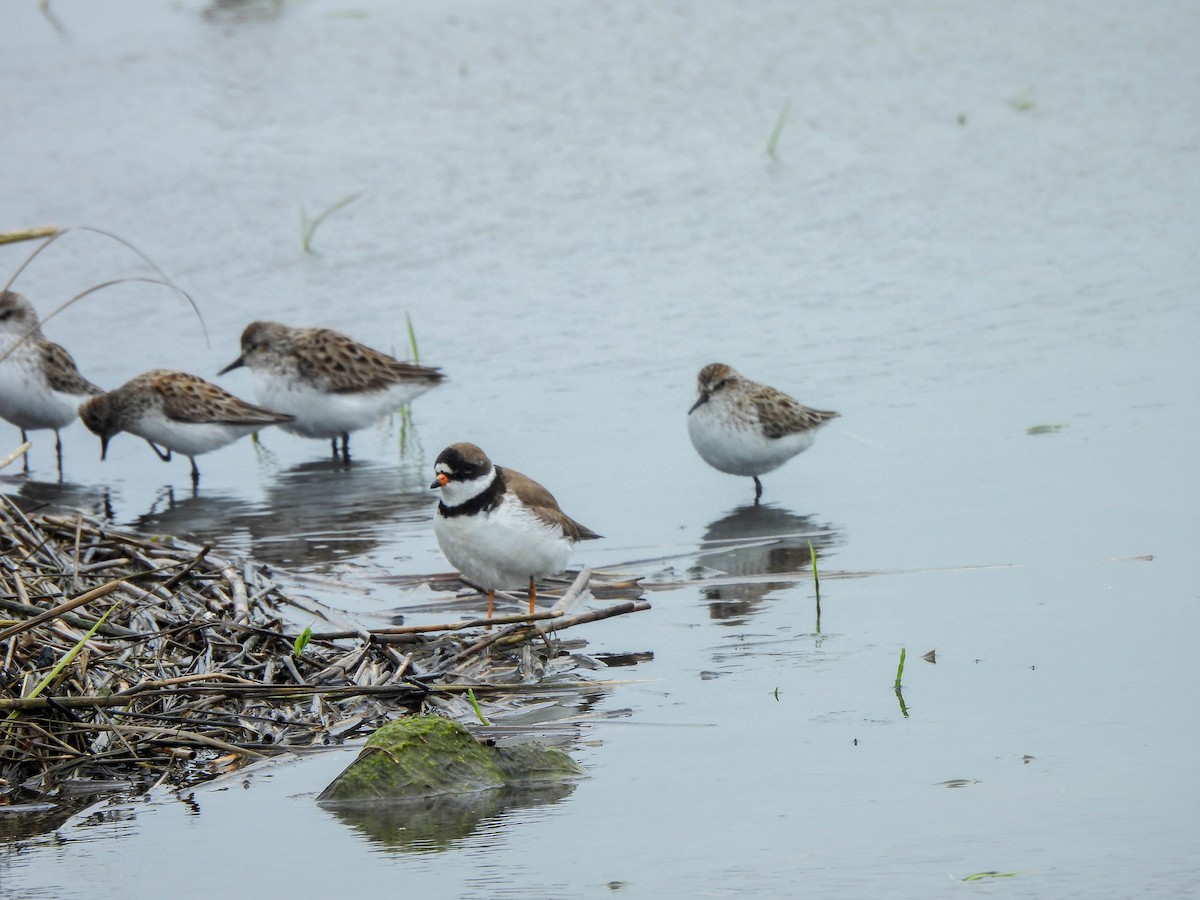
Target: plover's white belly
188,438
738,446
502,548
28,402
324,415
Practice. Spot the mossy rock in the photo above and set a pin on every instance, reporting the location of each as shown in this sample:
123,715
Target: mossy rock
427,756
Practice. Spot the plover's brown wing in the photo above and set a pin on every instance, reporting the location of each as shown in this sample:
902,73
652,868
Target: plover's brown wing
188,398
61,372
781,415
336,363
542,504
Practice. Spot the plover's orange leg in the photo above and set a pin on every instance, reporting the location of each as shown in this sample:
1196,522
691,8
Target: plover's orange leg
491,602
532,594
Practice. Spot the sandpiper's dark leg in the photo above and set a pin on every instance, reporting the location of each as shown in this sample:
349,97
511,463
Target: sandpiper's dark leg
164,455
532,595
25,440
757,489
346,446
58,453
195,473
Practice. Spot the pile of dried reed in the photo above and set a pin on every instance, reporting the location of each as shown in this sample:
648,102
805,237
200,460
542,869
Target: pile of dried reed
130,660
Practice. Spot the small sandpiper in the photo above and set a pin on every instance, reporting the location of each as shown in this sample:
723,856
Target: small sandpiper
182,412
40,386
330,384
498,527
745,428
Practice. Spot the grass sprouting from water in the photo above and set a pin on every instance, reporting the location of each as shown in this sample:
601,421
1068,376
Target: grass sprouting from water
412,338
980,876
48,14
475,705
899,694
812,556
780,120
309,227
406,409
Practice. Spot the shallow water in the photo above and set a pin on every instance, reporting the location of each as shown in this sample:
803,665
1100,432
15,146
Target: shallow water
978,221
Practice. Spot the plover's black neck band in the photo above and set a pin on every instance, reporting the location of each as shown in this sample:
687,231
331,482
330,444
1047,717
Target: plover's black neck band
485,501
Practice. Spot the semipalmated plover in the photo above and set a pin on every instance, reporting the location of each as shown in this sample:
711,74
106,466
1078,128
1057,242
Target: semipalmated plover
40,387
498,527
745,428
330,384
182,412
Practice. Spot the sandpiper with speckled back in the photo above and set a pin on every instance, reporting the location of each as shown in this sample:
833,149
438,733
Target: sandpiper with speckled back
329,383
182,412
745,428
40,386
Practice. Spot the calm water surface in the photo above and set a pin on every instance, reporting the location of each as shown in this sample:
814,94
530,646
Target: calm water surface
977,221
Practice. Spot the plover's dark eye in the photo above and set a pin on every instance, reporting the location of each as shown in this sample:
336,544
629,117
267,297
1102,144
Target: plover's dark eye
5,315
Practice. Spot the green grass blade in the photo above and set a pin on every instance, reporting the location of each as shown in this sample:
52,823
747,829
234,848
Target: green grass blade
412,338
980,876
900,669
68,659
309,228
301,641
475,705
773,140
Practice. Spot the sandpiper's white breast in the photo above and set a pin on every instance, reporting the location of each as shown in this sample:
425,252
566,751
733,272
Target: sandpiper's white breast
188,438
730,439
26,399
320,414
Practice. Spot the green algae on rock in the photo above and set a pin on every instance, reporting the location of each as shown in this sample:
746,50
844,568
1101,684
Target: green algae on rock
425,756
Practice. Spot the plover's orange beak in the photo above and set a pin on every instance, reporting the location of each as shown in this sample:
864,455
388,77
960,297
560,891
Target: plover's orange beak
441,480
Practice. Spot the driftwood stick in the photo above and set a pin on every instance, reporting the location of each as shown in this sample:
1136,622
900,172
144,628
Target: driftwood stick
16,454
28,234
594,615
237,590
170,583
574,595
57,611
382,634
157,734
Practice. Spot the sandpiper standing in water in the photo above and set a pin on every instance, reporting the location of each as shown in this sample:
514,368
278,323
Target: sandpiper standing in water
745,428
40,386
330,384
182,412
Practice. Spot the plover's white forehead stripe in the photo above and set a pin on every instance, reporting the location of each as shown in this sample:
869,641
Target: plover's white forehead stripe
443,468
